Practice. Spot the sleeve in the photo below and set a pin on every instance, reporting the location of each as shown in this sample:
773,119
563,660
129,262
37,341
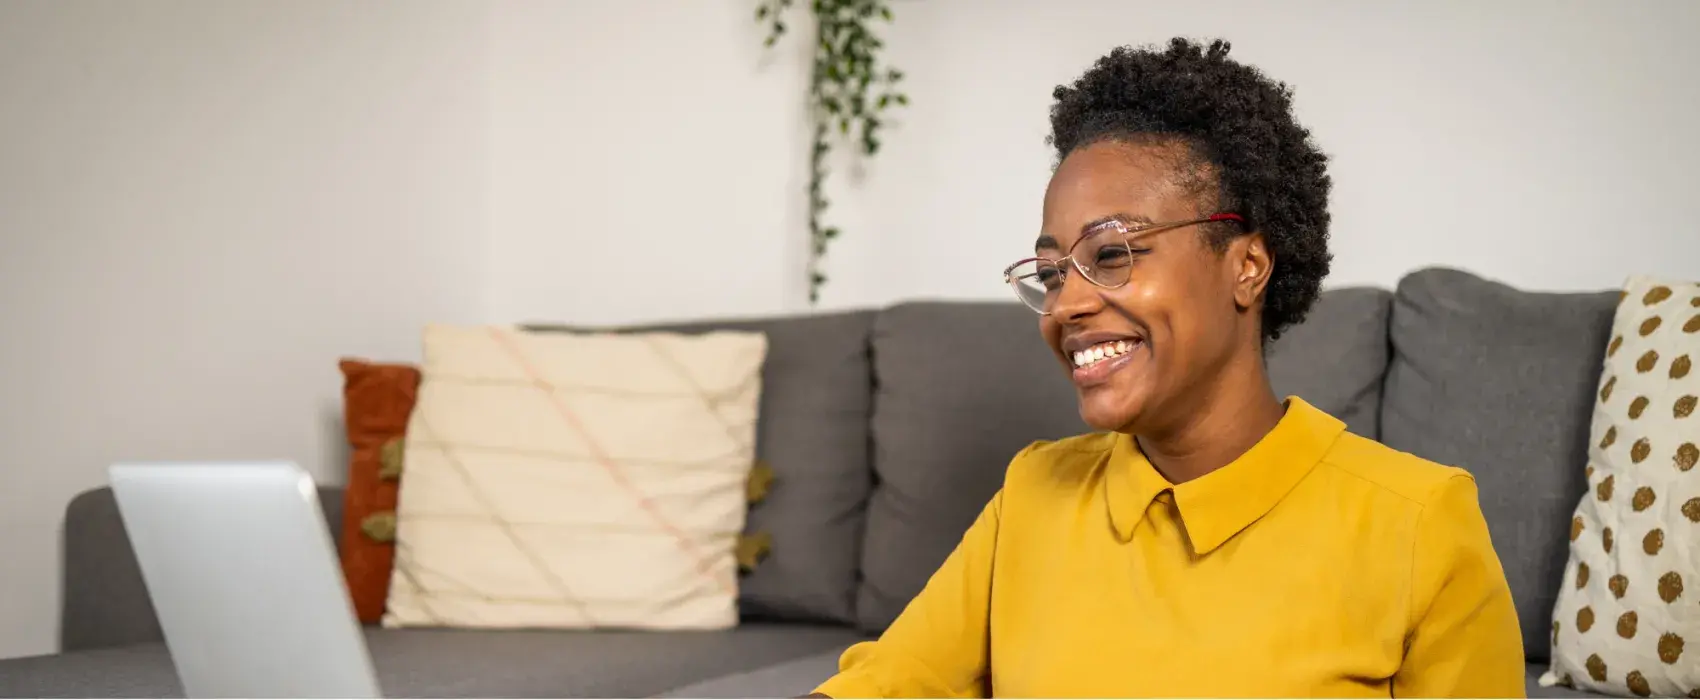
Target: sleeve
937,648
1464,639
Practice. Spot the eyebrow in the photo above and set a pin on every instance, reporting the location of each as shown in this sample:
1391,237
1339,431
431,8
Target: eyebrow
1048,242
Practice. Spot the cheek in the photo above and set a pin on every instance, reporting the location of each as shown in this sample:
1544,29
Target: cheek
1150,297
1174,303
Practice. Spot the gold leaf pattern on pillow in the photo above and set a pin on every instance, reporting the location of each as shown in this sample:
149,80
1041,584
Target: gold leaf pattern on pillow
1638,684
390,459
1670,647
1627,624
1687,455
1670,586
1653,542
379,526
1648,361
760,482
752,549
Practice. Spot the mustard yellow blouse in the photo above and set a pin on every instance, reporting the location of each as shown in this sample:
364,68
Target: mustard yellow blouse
1318,564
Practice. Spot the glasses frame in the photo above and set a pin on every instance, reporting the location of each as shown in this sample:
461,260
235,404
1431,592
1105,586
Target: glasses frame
1127,233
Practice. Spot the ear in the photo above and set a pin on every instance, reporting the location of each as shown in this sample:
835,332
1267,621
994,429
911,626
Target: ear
1252,263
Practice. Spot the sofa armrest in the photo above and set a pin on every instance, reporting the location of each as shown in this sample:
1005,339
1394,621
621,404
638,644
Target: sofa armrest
103,601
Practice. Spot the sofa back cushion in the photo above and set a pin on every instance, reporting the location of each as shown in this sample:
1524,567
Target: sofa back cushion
1501,382
812,431
1337,358
960,387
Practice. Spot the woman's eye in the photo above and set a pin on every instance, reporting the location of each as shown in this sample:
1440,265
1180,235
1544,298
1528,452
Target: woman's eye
1049,278
1113,256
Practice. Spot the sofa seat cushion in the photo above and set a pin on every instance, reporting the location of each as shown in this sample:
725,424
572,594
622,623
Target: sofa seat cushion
788,679
427,663
1501,382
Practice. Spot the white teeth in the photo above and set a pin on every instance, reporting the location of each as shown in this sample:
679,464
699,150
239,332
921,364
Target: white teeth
1101,352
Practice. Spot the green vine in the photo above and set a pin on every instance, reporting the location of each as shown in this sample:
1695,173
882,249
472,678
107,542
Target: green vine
848,91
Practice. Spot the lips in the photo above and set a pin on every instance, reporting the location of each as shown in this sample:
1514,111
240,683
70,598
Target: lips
1095,356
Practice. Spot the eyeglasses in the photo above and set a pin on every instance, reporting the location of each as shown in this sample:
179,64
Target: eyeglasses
1104,257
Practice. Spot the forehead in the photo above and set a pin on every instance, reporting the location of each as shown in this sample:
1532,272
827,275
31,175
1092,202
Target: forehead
1146,183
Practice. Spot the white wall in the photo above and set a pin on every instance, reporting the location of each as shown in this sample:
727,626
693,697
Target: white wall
203,203
641,157
1549,144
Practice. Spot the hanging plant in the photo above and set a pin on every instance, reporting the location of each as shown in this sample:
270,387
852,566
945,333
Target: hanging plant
848,91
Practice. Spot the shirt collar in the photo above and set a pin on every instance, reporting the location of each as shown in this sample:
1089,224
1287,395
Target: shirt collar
1218,505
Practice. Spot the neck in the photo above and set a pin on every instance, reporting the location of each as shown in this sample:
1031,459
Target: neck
1229,418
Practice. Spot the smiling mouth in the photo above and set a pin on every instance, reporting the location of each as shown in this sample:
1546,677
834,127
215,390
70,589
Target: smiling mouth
1102,352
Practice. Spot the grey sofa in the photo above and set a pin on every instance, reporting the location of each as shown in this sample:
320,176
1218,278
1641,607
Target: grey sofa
887,431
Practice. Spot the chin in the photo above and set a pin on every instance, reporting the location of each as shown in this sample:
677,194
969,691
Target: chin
1110,410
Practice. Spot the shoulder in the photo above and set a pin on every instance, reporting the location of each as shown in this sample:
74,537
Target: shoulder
1406,476
1055,467
1066,459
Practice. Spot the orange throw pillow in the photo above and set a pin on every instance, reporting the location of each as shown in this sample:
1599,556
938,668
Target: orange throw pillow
377,401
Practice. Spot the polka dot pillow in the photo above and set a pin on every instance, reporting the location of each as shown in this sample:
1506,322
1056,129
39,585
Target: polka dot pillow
1627,622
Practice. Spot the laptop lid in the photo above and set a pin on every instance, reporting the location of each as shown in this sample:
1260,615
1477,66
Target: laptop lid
245,580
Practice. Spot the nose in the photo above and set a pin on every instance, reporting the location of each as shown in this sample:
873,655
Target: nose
1076,299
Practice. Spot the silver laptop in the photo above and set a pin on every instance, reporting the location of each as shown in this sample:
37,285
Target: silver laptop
244,577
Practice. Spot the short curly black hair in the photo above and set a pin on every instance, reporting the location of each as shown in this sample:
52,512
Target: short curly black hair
1237,123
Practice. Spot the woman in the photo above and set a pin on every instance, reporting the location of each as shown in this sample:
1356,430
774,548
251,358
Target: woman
1216,540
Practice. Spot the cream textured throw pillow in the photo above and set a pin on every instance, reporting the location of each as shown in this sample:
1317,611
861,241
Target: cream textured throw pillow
574,481
1627,620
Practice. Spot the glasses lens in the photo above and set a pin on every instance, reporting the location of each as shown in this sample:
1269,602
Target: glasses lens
1104,257
1036,282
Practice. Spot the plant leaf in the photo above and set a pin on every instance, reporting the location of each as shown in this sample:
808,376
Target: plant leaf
843,70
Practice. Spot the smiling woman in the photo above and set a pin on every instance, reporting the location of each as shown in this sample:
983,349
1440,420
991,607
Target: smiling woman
1215,539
